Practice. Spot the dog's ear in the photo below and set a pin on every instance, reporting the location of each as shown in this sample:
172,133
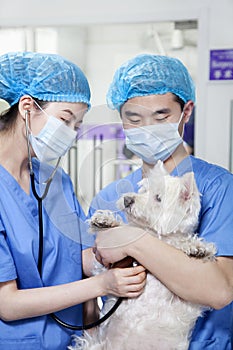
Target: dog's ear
187,186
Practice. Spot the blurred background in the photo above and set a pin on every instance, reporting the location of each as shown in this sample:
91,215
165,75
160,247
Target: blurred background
101,35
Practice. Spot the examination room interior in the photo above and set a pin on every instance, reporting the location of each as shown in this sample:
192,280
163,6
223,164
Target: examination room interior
101,35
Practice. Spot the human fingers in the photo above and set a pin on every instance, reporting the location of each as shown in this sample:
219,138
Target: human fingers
132,271
136,281
134,285
128,284
136,289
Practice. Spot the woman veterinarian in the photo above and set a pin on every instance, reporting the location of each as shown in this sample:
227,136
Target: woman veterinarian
48,97
152,92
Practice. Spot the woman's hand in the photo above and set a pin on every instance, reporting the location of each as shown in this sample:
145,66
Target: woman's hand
126,282
112,245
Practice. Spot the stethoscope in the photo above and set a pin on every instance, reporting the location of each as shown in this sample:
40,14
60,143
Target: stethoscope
41,238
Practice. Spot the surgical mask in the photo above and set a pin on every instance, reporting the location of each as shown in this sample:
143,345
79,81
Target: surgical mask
154,142
53,141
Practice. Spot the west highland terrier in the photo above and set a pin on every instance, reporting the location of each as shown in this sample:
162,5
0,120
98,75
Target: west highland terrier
168,208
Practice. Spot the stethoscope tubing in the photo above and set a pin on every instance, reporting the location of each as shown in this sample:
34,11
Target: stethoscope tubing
40,262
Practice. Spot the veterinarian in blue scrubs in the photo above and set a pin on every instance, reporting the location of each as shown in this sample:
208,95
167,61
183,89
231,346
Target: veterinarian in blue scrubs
48,97
152,92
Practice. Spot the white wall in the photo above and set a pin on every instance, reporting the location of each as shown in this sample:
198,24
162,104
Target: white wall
215,32
108,46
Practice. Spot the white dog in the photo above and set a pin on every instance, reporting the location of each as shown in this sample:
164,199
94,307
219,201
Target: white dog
168,207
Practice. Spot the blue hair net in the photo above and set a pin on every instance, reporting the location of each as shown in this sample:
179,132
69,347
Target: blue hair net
47,77
148,74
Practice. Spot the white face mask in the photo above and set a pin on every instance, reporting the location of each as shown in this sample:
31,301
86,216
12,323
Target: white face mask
53,141
154,142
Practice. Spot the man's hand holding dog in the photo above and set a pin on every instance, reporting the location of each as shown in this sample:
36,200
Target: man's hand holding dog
112,244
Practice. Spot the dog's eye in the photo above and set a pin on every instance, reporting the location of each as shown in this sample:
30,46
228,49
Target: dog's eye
157,198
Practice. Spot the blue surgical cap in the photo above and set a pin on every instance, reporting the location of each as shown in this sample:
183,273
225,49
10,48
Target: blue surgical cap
148,74
47,77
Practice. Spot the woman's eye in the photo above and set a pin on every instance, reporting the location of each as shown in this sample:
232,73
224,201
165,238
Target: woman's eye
157,198
66,121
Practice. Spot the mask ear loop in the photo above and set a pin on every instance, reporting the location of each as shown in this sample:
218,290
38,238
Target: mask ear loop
28,143
41,109
181,117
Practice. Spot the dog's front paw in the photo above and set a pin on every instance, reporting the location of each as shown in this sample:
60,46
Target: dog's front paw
104,219
202,250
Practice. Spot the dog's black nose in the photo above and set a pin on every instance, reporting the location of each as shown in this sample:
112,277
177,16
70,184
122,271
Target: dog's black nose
128,201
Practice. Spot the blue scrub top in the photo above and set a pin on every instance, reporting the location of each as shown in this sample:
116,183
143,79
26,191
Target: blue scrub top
62,260
213,331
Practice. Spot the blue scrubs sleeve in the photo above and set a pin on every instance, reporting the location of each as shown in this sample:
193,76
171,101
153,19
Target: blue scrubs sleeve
7,266
217,214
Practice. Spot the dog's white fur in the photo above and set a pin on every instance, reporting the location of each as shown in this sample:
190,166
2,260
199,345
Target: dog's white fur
168,207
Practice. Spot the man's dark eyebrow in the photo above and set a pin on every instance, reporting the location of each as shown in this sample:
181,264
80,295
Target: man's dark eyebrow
162,111
130,114
159,111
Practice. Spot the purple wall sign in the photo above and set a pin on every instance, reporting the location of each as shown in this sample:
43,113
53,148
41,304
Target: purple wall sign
221,64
